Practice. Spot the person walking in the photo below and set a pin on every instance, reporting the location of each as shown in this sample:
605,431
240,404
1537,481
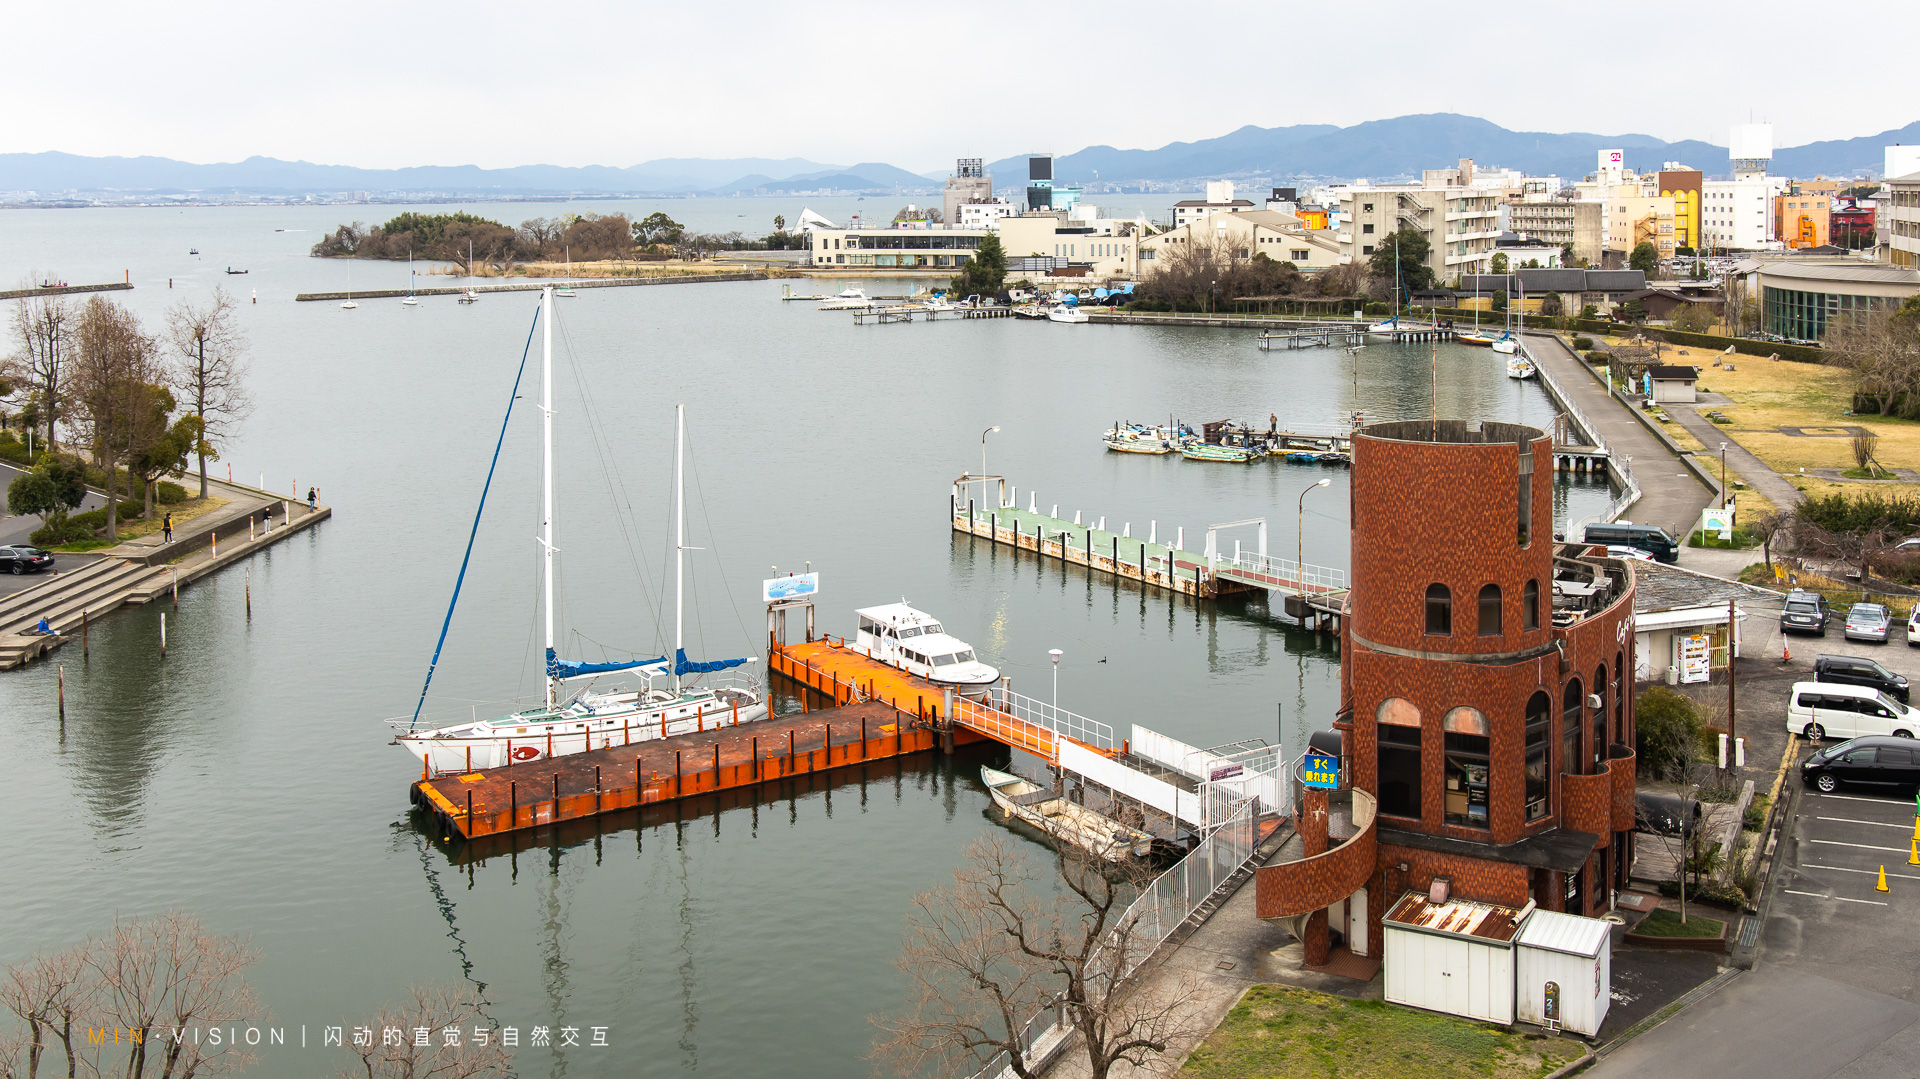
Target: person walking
166,528
313,500
266,521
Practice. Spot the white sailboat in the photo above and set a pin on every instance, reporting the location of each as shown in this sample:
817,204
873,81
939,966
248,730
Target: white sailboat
593,719
410,301
349,305
565,291
467,295
1519,364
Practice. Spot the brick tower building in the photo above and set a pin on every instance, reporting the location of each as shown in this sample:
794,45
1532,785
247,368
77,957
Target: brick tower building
1486,718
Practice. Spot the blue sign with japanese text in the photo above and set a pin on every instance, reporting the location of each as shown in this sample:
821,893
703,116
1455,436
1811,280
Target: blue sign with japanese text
1322,771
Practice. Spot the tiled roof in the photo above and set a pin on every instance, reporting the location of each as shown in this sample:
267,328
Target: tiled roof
1660,587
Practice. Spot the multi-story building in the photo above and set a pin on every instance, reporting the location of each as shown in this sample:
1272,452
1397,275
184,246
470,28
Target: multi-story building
1281,237
1548,218
1636,219
1851,223
894,248
1800,298
970,183
1459,224
1902,202
1486,718
1219,200
1105,247
1737,214
1684,186
1800,218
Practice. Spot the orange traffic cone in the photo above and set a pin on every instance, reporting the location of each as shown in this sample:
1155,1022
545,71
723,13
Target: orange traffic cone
1786,650
1882,886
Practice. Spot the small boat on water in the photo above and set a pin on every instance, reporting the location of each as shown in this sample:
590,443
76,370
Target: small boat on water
235,272
1382,329
1478,340
1062,819
1139,438
898,635
193,250
1520,367
467,295
847,299
1213,451
1067,313
1029,310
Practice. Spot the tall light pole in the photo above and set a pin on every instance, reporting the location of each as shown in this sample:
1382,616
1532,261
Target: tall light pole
983,460
1055,653
1300,536
1723,475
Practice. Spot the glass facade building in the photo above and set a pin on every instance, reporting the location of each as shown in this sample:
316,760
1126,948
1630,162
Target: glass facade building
1803,316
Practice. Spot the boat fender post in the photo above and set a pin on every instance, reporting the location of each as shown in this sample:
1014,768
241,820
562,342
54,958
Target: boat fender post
789,752
716,766
1055,511
1180,538
756,756
827,744
677,787
469,827
736,711
1153,531
971,520
513,804
509,752
596,788
556,796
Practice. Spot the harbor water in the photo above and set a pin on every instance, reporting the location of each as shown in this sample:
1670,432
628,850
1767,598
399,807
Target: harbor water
247,777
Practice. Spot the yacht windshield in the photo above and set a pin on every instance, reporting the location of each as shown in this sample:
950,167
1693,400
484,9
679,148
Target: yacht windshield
963,657
910,632
942,661
935,628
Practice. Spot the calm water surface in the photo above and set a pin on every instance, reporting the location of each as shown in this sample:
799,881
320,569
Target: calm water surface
248,779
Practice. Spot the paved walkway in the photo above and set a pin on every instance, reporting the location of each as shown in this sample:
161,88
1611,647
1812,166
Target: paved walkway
1670,496
1777,488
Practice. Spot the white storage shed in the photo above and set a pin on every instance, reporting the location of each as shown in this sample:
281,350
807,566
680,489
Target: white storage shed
1574,956
1454,956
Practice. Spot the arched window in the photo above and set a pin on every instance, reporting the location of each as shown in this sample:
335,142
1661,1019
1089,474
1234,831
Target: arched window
1397,731
1570,717
1469,780
1539,738
1490,611
1530,606
1439,609
1600,717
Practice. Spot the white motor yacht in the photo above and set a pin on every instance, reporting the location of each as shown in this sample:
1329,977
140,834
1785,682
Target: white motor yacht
1066,312
848,299
914,641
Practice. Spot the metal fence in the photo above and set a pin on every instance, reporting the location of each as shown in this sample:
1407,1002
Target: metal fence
1160,909
1302,577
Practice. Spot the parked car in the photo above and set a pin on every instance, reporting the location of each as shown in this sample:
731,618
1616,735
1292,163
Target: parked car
1660,814
1913,627
1615,550
1821,710
1868,622
1803,615
23,558
1654,541
1874,761
1859,671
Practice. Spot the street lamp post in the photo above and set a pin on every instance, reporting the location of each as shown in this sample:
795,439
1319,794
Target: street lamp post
1055,653
1300,536
983,460
1723,475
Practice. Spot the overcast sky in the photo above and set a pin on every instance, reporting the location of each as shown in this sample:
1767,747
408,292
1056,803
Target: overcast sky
577,83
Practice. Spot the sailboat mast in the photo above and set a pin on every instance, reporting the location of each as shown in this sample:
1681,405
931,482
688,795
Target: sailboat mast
546,466
679,533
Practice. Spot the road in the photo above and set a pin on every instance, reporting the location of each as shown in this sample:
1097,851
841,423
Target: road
1833,994
17,529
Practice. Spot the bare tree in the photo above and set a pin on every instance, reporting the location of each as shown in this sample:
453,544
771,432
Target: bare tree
1009,940
141,988
212,375
388,1048
113,373
43,335
1862,444
1882,349
1768,526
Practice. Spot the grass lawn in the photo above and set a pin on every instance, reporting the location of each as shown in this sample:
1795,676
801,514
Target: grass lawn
1666,923
133,525
1767,395
1278,1030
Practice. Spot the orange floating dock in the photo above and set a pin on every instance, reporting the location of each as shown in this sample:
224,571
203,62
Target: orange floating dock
877,712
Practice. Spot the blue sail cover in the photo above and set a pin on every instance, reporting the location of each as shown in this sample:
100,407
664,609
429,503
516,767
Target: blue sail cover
683,665
568,668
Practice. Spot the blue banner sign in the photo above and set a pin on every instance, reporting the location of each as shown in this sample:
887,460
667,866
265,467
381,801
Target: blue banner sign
1322,772
793,586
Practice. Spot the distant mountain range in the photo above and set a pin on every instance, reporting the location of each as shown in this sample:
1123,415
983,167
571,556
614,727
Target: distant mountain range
1379,148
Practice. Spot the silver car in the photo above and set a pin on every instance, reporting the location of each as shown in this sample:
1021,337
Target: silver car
1868,622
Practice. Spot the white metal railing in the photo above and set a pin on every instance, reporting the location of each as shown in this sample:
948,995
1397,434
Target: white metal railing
1149,920
1020,720
1301,577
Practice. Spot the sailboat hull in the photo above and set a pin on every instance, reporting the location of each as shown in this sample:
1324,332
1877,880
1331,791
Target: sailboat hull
525,737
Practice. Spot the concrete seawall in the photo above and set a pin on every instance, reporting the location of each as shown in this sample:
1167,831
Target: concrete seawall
63,290
535,284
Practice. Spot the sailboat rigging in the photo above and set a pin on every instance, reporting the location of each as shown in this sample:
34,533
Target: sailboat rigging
410,301
591,719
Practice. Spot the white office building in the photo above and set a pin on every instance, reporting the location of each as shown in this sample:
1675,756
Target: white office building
1737,214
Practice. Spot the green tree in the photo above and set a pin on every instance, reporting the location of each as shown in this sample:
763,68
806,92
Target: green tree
779,222
58,484
1633,311
1645,258
1499,264
1667,730
1693,318
985,272
1413,248
1566,254
1500,300
657,228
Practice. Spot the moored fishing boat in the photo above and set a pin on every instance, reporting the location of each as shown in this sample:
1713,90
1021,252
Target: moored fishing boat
1138,438
1064,820
1211,451
1067,313
847,299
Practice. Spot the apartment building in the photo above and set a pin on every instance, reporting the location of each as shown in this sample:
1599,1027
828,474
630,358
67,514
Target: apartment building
1557,221
1460,224
1737,214
1220,200
1280,236
1900,208
1637,219
1800,218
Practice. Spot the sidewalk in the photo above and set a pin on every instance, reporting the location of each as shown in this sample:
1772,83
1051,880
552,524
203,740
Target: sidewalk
1777,489
1670,496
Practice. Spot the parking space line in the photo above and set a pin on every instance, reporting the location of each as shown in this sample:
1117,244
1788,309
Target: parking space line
1875,823
1868,872
1840,898
1857,798
1858,846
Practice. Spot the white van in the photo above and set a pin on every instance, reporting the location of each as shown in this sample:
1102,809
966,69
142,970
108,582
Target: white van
1828,710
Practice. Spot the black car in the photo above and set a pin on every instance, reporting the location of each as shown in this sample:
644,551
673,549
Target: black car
21,558
1874,761
1855,671
1806,613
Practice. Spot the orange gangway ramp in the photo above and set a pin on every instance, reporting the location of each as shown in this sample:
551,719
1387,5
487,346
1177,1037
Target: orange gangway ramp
830,667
